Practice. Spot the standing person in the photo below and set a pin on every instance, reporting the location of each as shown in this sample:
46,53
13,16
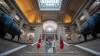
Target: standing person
46,45
53,45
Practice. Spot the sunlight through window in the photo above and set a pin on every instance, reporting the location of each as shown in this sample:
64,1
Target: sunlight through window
49,4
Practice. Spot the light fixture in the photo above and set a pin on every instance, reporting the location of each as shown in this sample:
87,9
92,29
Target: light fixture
17,17
82,17
38,20
50,29
49,26
67,19
49,4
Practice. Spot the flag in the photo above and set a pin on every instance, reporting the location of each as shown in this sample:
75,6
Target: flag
39,44
61,43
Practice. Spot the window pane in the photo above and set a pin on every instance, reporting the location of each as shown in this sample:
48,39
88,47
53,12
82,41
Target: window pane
49,4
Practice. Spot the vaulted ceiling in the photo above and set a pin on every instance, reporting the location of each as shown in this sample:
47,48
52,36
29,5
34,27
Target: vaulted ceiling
30,9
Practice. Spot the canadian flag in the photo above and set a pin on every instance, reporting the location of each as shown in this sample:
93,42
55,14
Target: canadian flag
39,44
61,43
